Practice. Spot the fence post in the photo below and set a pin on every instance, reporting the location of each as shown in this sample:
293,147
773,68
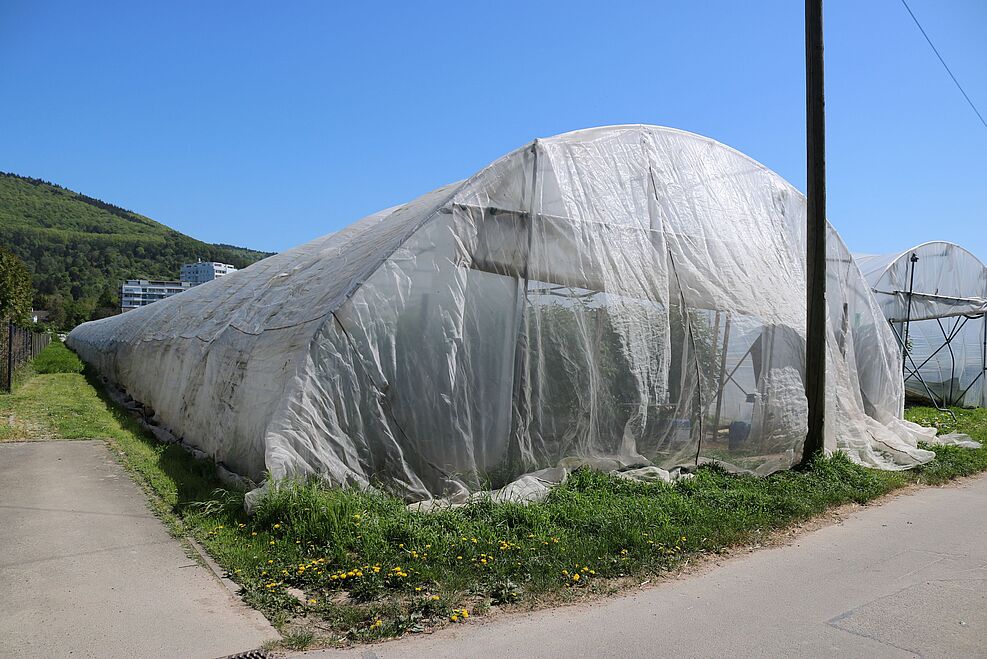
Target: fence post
9,384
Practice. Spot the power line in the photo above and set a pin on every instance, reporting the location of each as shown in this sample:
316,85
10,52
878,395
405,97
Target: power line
945,66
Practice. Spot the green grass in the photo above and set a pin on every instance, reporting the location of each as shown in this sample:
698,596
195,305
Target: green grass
56,358
71,405
51,399
952,461
366,567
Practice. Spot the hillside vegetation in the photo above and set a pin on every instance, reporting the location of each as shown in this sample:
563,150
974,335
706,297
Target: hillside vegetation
79,249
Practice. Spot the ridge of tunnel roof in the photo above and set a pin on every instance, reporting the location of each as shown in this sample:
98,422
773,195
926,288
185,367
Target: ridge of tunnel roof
587,132
890,258
575,136
445,192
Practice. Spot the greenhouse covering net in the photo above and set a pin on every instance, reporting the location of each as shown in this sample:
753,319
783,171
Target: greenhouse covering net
629,298
934,297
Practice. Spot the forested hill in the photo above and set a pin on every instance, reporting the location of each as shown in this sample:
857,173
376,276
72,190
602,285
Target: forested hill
80,249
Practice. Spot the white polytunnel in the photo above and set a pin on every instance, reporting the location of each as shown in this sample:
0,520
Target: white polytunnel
934,297
627,297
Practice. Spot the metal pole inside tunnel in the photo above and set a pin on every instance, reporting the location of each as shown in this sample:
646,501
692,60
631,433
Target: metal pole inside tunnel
912,260
815,331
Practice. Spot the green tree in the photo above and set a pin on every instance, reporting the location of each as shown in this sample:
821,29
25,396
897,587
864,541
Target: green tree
55,305
15,289
107,305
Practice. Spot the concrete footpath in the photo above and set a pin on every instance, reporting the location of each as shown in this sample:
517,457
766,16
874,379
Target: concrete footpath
86,570
905,578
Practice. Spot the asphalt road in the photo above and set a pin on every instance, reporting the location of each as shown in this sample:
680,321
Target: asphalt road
905,578
86,570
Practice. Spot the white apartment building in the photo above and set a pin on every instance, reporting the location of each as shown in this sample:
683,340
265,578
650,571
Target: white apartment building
203,271
141,292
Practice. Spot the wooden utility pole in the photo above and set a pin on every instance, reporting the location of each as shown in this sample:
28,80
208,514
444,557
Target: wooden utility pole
815,331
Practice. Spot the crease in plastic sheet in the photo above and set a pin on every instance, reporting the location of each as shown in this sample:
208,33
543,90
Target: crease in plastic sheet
941,294
629,297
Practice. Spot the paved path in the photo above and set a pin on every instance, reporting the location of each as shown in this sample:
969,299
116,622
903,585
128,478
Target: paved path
903,579
87,570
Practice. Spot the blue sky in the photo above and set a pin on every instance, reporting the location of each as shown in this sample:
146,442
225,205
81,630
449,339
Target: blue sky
268,124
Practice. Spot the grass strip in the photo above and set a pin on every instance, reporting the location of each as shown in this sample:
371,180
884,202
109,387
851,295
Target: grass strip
56,358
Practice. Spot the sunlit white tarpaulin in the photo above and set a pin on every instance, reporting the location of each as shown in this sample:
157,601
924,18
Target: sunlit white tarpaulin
621,297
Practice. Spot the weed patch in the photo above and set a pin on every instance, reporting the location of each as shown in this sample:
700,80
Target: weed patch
56,358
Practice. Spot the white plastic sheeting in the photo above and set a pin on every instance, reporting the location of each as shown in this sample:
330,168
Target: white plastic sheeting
935,297
623,297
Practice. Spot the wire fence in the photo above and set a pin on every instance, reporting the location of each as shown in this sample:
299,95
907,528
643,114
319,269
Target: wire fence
17,346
